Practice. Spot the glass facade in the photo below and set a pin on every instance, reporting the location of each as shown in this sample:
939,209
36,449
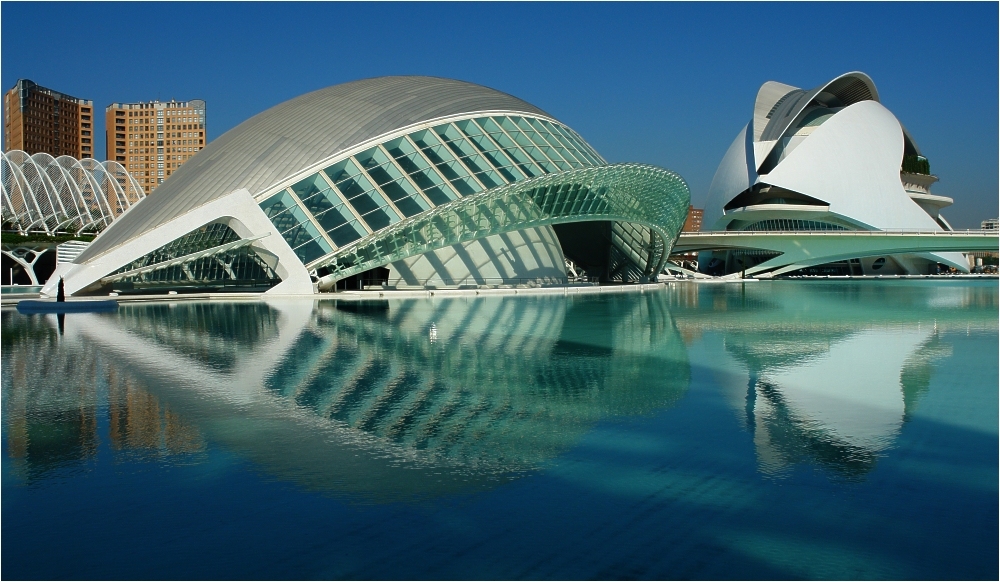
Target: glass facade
409,175
238,266
647,206
784,224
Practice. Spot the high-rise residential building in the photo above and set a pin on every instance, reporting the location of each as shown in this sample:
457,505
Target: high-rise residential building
37,120
153,139
693,221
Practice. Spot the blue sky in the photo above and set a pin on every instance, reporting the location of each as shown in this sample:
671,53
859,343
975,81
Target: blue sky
669,84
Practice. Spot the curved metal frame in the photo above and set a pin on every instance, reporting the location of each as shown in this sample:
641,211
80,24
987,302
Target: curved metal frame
642,195
42,193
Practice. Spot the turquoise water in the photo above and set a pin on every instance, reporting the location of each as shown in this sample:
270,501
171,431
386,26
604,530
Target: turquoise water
767,430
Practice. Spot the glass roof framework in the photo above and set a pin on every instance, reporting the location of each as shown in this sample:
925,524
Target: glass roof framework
46,194
402,177
650,202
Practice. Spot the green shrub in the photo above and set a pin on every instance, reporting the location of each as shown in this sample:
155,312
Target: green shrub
916,165
11,238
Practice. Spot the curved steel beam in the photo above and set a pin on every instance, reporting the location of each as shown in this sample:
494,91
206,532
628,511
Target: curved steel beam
638,194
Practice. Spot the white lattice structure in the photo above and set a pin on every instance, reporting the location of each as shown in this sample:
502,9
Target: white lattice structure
46,195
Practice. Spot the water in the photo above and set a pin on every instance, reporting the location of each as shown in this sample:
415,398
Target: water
768,430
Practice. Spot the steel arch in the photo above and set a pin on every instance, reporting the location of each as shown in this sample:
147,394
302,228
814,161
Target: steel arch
40,192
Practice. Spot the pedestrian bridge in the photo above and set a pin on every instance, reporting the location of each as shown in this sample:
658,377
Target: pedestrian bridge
800,249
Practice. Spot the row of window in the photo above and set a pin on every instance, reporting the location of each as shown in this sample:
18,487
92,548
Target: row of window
160,113
414,173
160,122
789,224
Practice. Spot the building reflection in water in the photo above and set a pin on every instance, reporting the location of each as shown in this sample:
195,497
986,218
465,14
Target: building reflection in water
56,395
825,374
388,400
404,399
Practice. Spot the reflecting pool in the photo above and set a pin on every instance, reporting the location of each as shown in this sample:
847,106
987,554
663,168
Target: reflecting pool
766,430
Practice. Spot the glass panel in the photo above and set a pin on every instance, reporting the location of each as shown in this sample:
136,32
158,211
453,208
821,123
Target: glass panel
399,147
469,127
420,172
535,153
344,169
489,125
371,158
347,233
490,179
581,145
506,123
513,152
407,204
567,140
299,236
332,214
566,149
332,218
447,132
310,186
539,140
312,250
496,158
445,162
277,204
361,194
384,174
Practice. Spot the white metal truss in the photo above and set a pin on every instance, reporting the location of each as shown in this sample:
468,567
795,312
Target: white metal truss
46,195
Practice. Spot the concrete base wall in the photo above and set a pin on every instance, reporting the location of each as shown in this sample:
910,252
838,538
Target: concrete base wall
531,255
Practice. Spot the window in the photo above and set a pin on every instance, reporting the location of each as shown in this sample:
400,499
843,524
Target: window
329,210
422,174
392,182
445,162
361,194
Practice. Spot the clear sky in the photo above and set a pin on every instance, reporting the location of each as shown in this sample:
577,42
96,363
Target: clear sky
668,84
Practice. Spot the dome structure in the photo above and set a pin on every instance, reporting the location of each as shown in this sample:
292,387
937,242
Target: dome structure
403,181
830,158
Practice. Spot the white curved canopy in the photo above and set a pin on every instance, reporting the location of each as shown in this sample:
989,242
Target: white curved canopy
294,135
46,194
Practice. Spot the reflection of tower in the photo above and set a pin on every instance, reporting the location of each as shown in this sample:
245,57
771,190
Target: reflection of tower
49,397
139,423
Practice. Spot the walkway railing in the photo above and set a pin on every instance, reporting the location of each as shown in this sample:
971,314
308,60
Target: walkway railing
885,232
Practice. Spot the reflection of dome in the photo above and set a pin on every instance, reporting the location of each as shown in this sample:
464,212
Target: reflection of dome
819,373
819,411
439,181
366,399
830,158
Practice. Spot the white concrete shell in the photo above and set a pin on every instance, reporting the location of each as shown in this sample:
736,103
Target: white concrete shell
828,158
311,180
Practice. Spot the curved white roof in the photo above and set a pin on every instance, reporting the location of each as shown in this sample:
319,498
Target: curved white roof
298,133
850,162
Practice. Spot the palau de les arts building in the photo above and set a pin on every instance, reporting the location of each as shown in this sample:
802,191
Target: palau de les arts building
828,159
394,181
